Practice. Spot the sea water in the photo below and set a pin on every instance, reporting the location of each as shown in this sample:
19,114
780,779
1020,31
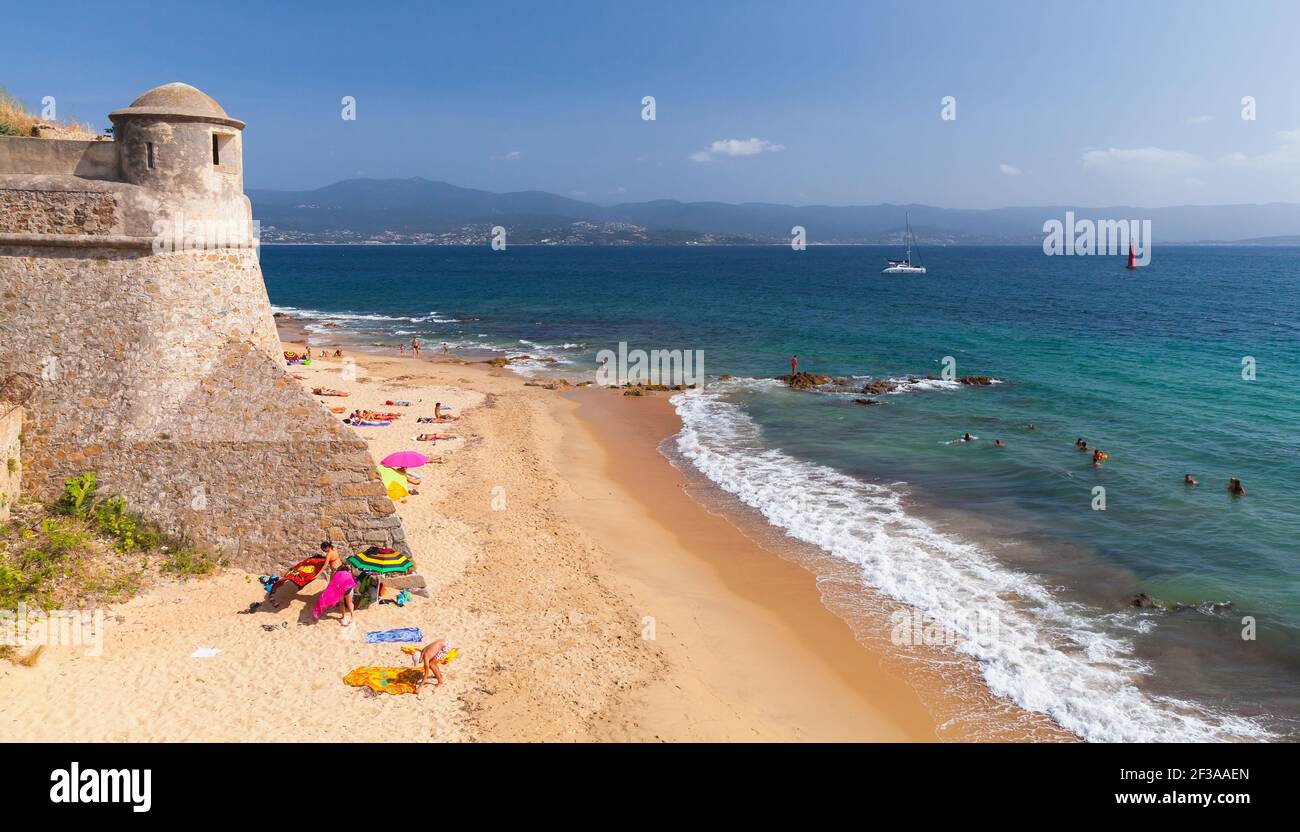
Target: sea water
1184,366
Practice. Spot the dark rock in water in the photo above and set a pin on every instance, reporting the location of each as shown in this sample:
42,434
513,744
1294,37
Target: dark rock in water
1209,608
980,380
841,382
803,381
880,387
865,401
725,377
280,315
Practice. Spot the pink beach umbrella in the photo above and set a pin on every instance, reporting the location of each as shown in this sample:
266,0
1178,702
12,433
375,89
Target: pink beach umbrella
404,459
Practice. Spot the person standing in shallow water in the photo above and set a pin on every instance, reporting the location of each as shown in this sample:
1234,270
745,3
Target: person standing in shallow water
415,347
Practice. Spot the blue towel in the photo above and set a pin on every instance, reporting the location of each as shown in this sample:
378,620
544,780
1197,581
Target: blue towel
399,634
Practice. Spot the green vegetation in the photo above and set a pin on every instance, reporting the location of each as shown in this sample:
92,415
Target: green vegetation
78,492
188,562
85,550
130,532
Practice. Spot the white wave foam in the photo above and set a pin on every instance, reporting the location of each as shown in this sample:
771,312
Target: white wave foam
1045,655
295,312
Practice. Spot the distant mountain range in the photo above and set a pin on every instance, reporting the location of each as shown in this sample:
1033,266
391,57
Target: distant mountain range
421,211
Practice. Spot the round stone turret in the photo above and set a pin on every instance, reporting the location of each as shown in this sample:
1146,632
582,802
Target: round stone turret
179,142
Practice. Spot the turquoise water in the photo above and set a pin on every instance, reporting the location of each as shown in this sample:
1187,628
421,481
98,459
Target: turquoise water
1146,365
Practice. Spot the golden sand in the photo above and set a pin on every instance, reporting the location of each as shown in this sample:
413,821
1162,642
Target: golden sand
592,597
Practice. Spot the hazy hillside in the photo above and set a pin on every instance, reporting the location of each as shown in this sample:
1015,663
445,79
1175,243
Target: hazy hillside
403,208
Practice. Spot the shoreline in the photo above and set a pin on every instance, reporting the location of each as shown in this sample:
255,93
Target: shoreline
750,583
597,542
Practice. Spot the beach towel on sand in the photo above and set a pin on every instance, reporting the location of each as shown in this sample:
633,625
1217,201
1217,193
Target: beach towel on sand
341,584
392,680
302,573
397,634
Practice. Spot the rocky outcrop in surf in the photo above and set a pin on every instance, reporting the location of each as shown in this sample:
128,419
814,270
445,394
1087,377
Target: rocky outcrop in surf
803,381
1145,601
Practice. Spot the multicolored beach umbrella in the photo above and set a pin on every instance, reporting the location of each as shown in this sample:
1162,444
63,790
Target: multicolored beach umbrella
381,560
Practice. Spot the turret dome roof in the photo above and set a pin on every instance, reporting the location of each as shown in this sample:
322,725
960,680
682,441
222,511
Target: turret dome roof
178,100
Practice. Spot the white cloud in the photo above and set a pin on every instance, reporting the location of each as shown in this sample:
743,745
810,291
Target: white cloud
1287,155
1151,161
736,147
1199,119
1008,170
513,156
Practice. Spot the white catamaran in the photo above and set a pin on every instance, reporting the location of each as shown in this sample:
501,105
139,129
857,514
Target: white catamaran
905,266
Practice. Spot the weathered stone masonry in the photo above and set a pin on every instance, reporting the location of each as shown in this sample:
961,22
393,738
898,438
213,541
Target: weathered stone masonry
161,371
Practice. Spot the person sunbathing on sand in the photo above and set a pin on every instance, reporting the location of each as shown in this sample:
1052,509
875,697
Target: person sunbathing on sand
327,391
432,437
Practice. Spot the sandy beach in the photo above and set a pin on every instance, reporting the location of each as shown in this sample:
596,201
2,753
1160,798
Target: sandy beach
593,597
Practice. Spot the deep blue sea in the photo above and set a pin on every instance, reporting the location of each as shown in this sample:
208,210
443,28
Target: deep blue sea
1149,365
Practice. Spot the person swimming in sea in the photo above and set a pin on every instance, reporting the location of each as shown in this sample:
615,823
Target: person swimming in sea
1098,457
1235,488
1188,480
998,443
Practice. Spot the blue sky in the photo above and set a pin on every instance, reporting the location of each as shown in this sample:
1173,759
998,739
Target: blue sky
1102,103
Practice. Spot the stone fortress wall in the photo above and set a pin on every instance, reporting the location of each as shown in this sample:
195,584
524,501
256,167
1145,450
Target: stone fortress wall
160,368
11,456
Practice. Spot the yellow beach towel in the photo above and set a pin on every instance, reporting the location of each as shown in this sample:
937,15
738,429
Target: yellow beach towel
392,680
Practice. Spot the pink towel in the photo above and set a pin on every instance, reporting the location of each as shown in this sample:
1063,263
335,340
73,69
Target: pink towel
341,584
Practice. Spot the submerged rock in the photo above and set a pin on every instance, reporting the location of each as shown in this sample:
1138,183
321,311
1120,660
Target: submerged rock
980,380
1143,600
880,387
